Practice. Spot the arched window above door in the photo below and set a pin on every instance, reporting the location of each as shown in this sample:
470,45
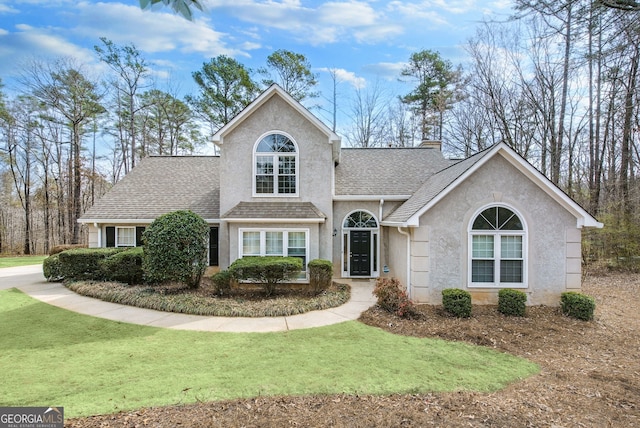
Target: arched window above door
360,220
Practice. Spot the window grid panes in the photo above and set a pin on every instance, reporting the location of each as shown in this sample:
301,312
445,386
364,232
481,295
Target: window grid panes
276,174
511,271
251,243
511,247
497,248
271,243
483,247
482,271
126,236
360,219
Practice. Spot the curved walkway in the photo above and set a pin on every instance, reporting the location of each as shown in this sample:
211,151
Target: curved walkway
29,280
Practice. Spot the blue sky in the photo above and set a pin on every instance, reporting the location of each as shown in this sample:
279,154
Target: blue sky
365,41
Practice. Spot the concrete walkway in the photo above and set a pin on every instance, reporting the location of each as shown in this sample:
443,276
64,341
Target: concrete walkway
29,280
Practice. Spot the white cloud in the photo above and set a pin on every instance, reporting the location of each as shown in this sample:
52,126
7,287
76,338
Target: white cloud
149,31
346,14
386,70
29,42
5,8
326,23
418,11
343,75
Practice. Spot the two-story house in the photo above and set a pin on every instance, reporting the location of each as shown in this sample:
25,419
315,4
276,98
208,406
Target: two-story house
283,185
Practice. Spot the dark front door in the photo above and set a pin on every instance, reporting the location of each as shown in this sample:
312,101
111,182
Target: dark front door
360,257
213,246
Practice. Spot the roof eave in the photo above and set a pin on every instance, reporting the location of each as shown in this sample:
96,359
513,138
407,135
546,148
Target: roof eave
129,220
274,220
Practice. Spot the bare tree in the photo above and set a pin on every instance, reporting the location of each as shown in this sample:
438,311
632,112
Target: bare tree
131,71
368,110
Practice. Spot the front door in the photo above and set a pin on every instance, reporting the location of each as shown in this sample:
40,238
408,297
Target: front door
360,253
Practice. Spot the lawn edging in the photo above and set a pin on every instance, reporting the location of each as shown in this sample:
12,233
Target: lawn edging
149,297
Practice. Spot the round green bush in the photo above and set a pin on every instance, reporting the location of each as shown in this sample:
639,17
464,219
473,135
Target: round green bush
176,248
577,305
124,266
512,302
222,282
52,268
457,302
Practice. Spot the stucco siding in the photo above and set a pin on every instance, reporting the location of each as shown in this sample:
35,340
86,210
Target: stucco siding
314,171
396,257
546,243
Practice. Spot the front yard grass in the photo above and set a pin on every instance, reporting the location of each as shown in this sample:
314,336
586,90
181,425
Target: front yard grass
53,357
21,261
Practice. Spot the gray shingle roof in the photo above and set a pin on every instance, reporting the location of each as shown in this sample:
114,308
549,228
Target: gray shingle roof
158,185
274,210
382,171
432,187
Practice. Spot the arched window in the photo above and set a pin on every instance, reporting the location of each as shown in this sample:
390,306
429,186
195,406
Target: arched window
276,166
497,241
360,219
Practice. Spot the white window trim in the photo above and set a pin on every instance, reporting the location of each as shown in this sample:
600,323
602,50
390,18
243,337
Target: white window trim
134,237
263,240
375,246
497,248
275,193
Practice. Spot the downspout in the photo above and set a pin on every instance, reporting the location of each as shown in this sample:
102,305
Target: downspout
408,235
380,210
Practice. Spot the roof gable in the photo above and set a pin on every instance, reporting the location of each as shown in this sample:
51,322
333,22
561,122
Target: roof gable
442,183
276,91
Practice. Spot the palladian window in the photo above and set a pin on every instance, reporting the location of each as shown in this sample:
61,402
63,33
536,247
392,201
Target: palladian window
276,166
497,242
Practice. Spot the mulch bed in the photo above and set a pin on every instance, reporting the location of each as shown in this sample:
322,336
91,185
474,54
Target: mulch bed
590,376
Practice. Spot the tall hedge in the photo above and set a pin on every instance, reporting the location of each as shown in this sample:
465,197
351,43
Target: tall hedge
320,275
176,248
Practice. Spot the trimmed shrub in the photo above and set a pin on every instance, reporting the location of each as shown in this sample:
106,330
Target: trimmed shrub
176,248
577,305
222,282
512,302
392,297
64,247
124,266
52,268
267,271
457,302
84,263
320,275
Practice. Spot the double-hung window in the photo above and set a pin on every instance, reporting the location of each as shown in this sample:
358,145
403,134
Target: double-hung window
276,166
497,244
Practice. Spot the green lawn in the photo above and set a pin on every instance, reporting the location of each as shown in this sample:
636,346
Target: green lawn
53,357
21,261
